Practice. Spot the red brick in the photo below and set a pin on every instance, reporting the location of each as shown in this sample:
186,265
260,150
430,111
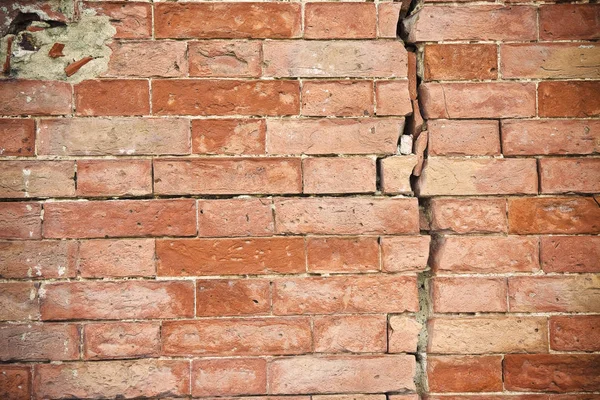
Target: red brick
333,136
477,100
460,176
22,97
228,176
467,215
221,297
121,340
235,217
460,62
481,335
132,20
342,254
463,138
39,342
552,372
339,175
403,333
346,216
228,136
340,20
114,177
95,136
225,58
18,301
395,174
345,58
38,260
545,137
562,175
570,253
388,15
15,382
350,334
230,256
342,374
575,333
97,97
465,295
493,22
337,98
464,373
117,300
343,295
239,337
229,377
485,254
225,97
553,215
17,137
404,253
148,59
574,293
569,99
22,179
119,379
120,218
569,21
351,397
549,60
116,258
227,20
20,220
392,97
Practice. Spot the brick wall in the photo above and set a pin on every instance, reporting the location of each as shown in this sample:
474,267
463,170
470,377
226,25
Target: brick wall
229,199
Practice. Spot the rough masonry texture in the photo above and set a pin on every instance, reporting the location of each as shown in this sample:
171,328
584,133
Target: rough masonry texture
300,200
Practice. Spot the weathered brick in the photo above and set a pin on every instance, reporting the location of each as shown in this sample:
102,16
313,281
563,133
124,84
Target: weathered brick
545,137
148,59
39,342
120,218
342,254
222,297
392,98
17,137
570,253
132,20
477,100
225,58
38,260
18,301
329,295
574,293
350,334
114,177
22,179
396,173
228,136
20,220
464,373
346,216
333,136
485,254
467,215
459,176
339,175
230,256
235,217
340,98
463,138
96,136
344,58
575,333
569,21
229,377
239,337
553,215
124,379
116,258
462,295
562,175
460,62
403,334
117,300
569,98
404,253
481,335
342,374
29,97
121,340
15,382
225,97
388,15
228,176
330,20
97,97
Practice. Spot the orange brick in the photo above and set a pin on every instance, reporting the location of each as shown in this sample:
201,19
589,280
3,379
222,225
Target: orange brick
467,215
460,62
224,377
463,138
462,295
23,179
350,334
15,382
342,254
562,175
23,97
404,253
97,97
403,334
569,99
17,137
388,15
235,217
338,175
464,373
569,21
395,174
339,98
392,98
132,20
570,253
340,20
225,58
116,258
18,301
148,59
114,177
121,340
39,342
217,298
228,136
575,333
38,259
20,220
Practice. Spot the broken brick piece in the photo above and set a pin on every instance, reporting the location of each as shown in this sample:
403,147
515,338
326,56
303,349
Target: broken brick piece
56,51
75,66
6,66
